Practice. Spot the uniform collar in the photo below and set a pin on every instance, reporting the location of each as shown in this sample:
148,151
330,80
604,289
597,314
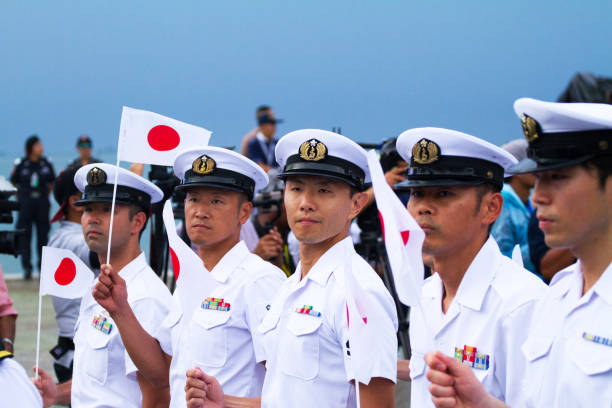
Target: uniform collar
129,271
603,286
70,224
475,283
230,261
328,262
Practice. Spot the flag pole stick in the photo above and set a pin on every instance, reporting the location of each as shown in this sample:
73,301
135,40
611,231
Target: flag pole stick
38,333
357,397
112,215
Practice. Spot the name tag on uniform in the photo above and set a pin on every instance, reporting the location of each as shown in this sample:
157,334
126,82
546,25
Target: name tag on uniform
597,339
470,357
212,303
101,323
309,310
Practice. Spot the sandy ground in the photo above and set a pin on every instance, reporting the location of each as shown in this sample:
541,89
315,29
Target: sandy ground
25,297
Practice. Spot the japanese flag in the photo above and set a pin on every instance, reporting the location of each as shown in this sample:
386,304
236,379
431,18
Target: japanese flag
369,326
146,137
193,282
403,237
63,274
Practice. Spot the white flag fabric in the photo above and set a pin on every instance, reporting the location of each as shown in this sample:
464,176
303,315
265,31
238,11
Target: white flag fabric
517,256
193,282
368,325
147,137
403,237
63,274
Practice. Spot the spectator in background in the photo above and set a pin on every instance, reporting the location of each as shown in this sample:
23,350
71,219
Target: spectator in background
84,146
8,316
510,229
68,236
33,176
261,148
252,133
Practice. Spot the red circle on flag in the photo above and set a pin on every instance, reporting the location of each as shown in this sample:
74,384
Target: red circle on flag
176,266
163,138
65,272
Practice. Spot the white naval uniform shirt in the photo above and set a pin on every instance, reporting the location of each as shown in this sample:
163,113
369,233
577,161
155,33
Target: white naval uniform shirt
563,368
104,375
224,344
308,364
491,311
16,389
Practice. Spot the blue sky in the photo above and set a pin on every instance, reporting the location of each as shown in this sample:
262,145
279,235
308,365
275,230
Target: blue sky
373,68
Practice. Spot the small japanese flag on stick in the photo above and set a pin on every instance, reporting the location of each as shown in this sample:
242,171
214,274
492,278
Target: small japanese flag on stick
192,278
146,137
403,237
64,275
369,328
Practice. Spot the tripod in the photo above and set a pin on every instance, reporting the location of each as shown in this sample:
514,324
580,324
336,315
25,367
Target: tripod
372,249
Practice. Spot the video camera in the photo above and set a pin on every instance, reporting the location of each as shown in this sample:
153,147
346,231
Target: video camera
11,242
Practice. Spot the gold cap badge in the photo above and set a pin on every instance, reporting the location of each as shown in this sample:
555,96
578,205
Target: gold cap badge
425,151
313,150
96,176
530,128
203,165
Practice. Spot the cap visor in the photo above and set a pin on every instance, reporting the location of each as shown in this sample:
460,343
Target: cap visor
406,184
283,176
531,166
182,187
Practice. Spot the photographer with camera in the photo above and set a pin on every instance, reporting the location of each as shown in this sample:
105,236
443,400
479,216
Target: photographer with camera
270,222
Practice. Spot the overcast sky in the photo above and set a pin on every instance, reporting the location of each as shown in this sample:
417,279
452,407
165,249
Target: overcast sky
374,68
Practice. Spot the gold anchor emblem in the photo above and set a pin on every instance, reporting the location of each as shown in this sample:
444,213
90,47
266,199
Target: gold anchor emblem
313,150
203,165
96,176
425,151
530,128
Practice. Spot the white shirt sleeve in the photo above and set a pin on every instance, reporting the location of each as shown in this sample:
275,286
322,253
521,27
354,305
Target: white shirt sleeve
260,295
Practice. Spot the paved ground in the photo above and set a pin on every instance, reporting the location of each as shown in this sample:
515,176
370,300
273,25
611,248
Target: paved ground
25,297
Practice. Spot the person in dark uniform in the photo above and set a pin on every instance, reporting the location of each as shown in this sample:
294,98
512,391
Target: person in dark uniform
33,176
84,146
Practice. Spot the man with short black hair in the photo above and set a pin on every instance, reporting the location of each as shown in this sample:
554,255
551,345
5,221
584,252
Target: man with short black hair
477,302
309,356
261,148
103,374
69,236
220,333
567,353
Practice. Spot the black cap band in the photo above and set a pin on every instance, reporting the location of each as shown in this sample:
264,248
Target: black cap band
220,178
570,145
459,168
330,166
104,194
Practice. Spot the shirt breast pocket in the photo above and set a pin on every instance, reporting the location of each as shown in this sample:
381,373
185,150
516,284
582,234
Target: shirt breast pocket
591,358
300,349
96,358
208,337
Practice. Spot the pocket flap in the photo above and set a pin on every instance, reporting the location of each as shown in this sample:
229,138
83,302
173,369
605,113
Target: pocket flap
300,324
269,322
210,318
536,347
96,339
417,365
592,358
